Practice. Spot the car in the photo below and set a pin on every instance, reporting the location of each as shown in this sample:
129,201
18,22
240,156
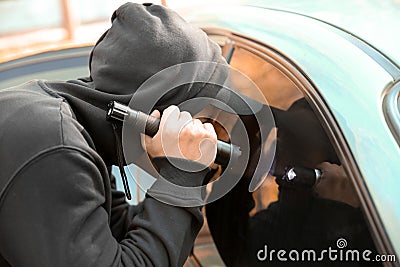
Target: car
346,74
348,71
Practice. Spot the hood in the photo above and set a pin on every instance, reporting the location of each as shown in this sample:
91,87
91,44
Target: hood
143,40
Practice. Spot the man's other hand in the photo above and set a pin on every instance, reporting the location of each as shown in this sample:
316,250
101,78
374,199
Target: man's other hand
336,185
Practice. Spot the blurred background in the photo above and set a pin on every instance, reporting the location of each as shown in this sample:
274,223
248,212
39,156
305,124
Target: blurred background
30,26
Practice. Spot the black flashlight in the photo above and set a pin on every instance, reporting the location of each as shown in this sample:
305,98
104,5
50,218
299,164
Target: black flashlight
120,112
301,176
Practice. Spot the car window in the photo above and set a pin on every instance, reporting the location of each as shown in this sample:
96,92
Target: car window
65,64
284,220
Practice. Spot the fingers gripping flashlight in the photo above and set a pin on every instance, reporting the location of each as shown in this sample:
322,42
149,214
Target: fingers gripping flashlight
120,112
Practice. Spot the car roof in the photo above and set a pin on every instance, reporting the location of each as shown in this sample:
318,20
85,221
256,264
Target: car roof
376,22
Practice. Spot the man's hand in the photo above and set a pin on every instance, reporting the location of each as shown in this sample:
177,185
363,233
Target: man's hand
334,184
181,136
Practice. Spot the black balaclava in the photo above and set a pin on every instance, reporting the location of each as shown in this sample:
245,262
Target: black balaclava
302,141
143,40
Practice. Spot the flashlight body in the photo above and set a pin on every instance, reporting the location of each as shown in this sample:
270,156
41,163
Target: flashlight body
150,124
302,176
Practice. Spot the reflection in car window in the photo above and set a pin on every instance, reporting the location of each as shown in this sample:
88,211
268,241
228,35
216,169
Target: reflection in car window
308,218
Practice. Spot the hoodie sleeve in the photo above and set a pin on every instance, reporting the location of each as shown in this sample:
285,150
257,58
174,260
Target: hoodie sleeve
54,217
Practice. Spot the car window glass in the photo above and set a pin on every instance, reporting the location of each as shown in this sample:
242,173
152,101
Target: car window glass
279,91
301,219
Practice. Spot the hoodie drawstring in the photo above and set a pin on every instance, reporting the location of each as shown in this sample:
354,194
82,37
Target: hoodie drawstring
121,161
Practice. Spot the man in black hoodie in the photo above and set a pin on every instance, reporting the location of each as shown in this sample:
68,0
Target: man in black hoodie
58,206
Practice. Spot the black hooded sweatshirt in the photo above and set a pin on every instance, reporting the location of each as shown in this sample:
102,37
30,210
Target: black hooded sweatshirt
57,203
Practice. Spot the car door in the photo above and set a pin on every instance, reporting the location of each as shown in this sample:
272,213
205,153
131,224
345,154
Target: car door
333,89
